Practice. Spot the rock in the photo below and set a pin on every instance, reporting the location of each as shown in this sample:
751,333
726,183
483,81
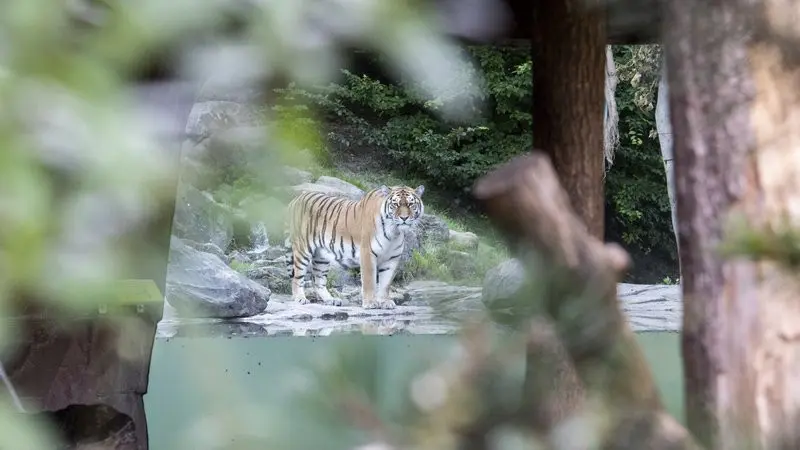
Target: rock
429,232
207,118
201,285
462,265
229,154
206,247
220,88
276,277
351,191
294,176
238,257
199,218
432,231
503,281
313,187
464,240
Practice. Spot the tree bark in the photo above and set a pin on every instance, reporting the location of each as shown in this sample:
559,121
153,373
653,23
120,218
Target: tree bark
569,66
734,102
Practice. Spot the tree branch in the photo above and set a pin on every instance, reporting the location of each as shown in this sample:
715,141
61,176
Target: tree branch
526,202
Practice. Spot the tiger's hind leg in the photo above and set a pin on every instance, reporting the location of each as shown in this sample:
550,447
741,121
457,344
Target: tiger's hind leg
320,268
300,263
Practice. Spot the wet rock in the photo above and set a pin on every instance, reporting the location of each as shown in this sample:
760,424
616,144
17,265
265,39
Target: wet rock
202,285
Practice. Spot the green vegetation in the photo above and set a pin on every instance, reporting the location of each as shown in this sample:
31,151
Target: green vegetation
239,266
452,264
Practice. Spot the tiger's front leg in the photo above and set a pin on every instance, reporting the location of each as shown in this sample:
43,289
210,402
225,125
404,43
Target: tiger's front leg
368,277
386,271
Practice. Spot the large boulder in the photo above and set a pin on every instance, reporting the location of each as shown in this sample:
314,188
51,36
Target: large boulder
202,285
503,281
432,231
293,175
210,117
201,219
429,232
328,185
228,154
348,189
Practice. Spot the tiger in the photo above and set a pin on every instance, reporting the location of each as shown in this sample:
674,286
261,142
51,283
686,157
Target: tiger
368,233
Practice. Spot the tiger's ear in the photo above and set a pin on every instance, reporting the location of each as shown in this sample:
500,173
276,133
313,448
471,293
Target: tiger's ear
420,189
384,190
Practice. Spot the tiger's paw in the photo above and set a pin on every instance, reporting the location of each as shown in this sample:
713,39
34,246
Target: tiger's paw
302,300
371,305
387,304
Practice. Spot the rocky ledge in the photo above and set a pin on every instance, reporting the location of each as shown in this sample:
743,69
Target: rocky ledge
426,307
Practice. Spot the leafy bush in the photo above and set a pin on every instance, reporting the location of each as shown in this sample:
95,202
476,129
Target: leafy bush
396,118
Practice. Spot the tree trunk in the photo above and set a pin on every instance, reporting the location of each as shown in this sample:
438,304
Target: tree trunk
737,150
569,66
664,128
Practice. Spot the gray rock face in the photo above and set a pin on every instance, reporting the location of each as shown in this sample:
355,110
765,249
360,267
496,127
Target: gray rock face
503,281
201,285
432,231
209,117
207,247
349,190
199,218
314,187
293,175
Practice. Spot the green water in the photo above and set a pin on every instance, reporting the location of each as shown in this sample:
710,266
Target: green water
252,370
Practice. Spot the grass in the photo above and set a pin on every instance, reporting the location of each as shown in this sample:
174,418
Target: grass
241,267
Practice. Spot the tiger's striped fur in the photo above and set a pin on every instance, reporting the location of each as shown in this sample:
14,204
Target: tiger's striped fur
326,229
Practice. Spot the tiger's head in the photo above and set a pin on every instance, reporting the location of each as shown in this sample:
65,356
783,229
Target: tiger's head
402,205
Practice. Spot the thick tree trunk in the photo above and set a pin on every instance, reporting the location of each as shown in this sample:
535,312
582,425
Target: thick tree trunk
736,124
569,66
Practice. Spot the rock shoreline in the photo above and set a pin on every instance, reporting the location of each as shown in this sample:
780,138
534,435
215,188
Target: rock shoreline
649,308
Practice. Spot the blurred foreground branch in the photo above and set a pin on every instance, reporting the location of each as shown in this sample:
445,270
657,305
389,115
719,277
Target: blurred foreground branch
525,200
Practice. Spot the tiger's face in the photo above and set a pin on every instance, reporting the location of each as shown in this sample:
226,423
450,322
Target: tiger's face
403,205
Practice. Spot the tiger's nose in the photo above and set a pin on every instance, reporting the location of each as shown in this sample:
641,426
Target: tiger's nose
404,218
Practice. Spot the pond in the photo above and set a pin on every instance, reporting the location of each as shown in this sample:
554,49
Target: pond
257,367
